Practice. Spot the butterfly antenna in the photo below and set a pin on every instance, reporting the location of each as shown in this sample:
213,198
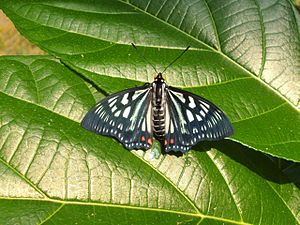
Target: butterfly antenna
143,57
120,71
176,59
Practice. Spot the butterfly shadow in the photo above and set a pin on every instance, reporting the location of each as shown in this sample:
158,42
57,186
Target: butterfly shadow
273,169
200,147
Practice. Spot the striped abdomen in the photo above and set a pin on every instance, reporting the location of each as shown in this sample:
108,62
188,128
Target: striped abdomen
158,114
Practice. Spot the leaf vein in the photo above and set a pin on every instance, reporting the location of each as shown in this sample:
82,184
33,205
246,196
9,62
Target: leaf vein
261,114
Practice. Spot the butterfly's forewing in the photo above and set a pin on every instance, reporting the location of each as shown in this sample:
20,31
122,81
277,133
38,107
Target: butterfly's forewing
125,115
190,119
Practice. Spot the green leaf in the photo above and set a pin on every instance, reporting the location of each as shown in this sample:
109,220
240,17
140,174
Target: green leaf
54,172
244,57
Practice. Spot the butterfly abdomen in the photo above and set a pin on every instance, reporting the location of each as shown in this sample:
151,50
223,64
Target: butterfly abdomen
158,121
158,110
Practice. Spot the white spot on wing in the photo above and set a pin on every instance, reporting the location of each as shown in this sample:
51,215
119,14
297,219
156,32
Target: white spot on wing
102,114
198,117
114,109
209,123
189,115
144,125
106,118
214,121
218,115
126,112
171,127
207,105
192,102
120,126
112,103
111,99
98,109
117,113
204,108
125,99
167,120
202,113
148,118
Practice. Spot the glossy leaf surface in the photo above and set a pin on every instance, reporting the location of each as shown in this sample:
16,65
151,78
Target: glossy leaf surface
54,172
244,56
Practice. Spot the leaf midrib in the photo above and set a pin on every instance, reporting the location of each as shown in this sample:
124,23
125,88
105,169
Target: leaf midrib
262,113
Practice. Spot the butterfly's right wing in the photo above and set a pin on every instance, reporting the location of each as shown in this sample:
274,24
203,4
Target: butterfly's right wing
190,119
125,115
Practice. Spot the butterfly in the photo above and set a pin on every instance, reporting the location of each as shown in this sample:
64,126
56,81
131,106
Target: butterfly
178,119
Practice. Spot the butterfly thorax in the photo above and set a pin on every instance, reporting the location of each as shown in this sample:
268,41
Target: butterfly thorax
159,104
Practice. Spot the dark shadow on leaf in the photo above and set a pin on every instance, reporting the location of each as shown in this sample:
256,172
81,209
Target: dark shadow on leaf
177,154
83,78
277,170
204,146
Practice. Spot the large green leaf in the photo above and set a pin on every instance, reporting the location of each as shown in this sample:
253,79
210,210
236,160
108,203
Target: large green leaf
54,172
244,56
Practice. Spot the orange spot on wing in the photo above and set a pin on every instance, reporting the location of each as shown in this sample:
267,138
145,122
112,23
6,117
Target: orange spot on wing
166,142
143,138
150,141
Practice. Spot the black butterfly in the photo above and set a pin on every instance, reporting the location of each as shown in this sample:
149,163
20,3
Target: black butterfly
177,118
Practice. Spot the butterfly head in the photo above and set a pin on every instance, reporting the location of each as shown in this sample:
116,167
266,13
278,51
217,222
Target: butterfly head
159,78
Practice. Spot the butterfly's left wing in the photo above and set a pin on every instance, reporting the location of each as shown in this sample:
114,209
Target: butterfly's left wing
190,119
125,115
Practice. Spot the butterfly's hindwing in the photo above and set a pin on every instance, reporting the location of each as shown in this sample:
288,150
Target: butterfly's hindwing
125,115
192,119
